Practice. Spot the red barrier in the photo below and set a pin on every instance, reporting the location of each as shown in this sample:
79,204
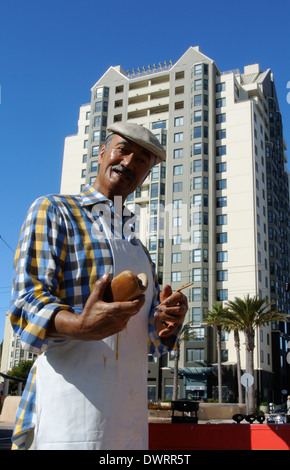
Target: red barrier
169,436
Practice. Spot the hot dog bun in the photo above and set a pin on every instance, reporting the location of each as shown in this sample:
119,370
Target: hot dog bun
126,286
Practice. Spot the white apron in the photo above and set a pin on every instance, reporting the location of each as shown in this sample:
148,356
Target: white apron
92,395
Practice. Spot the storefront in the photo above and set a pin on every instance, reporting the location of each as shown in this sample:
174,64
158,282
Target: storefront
195,382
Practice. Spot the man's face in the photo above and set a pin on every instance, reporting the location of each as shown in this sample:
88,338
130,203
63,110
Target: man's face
123,166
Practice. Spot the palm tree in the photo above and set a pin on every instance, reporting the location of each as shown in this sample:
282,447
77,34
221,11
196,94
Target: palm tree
186,334
227,326
215,318
246,315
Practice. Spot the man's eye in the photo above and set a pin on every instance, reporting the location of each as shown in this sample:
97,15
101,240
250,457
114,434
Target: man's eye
121,150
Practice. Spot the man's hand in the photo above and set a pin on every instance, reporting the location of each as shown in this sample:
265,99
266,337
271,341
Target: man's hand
171,313
98,320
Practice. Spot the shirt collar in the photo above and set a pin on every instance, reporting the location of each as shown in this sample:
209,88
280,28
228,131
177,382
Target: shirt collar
90,196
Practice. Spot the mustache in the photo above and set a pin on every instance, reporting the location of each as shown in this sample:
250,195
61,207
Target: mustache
123,170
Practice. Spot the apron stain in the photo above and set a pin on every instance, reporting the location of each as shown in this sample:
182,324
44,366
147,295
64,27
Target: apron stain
117,347
105,360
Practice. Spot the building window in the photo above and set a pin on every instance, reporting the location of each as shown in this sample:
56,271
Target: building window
197,148
221,134
197,85
222,219
98,106
196,218
176,239
177,203
196,294
222,294
177,187
197,116
96,136
222,150
198,69
176,276
152,243
176,258
153,224
178,153
220,102
94,166
220,118
196,315
97,121
197,167
178,121
196,274
178,137
95,150
193,355
222,256
221,201
196,255
225,355
197,132
196,200
155,173
221,167
222,237
151,392
154,190
159,125
176,221
197,100
99,93
221,184
197,182
196,237
222,275
178,170
220,87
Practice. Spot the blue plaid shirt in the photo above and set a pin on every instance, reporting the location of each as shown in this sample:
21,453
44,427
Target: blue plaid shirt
57,263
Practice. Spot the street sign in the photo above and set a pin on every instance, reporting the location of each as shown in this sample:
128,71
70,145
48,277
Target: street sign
247,380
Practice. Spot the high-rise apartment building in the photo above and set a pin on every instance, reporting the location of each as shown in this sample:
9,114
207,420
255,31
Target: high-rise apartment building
215,213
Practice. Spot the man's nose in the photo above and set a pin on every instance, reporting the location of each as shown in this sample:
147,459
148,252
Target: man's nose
128,159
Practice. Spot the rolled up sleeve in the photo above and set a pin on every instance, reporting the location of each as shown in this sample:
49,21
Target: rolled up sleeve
39,264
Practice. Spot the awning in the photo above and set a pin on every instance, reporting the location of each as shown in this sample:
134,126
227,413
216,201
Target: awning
194,371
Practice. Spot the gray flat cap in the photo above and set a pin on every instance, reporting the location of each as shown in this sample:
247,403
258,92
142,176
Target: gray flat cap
141,136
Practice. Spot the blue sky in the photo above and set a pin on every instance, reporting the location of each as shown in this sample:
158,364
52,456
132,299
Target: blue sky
52,53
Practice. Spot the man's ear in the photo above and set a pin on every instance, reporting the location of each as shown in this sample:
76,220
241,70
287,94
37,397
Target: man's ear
101,153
